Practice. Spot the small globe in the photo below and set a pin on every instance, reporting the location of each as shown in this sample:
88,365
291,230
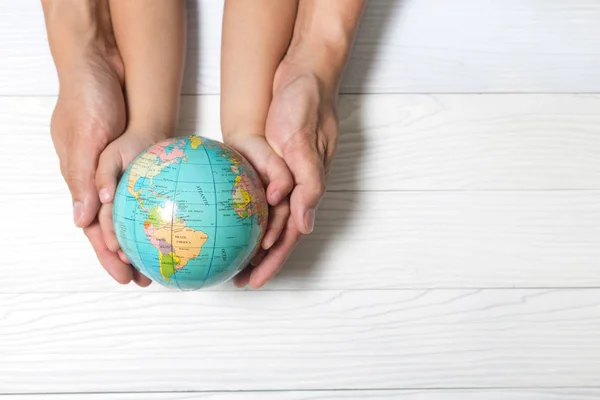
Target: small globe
190,213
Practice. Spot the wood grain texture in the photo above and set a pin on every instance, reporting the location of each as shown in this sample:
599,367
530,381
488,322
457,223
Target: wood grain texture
299,340
436,394
361,241
388,142
408,46
446,234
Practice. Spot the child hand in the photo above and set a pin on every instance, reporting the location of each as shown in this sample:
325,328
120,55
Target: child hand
278,183
302,129
113,161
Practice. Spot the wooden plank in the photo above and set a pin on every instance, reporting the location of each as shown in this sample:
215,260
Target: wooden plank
361,241
388,142
396,240
424,239
436,394
299,340
410,46
468,142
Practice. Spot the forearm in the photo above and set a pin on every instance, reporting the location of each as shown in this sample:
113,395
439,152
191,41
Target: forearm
256,35
151,37
324,34
73,26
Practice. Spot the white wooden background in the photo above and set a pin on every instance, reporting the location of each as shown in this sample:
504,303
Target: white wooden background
456,255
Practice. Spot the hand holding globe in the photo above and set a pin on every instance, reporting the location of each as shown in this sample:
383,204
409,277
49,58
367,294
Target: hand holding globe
278,95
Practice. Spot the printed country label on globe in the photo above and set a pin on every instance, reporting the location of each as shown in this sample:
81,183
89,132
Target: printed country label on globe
190,212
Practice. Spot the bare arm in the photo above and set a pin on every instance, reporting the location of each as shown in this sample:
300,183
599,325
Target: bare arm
77,26
256,35
324,34
151,37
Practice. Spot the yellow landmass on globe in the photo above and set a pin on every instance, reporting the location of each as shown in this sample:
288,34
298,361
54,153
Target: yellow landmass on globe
241,197
186,242
195,141
176,243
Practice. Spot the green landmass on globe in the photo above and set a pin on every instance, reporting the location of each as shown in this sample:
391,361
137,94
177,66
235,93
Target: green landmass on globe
190,212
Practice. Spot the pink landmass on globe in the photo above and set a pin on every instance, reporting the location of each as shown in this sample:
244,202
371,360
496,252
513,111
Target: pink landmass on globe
245,198
161,152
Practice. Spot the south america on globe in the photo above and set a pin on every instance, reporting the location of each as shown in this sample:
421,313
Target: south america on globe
190,213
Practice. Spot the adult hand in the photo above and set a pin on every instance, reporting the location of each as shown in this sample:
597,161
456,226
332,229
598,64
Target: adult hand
89,115
302,129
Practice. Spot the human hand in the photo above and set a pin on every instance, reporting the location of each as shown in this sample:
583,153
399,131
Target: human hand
113,161
278,183
89,115
302,129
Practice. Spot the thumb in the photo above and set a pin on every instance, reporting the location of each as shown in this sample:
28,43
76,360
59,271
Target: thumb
279,178
79,174
309,175
110,165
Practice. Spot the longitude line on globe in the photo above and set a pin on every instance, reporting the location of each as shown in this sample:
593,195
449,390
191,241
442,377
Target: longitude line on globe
137,243
174,276
212,257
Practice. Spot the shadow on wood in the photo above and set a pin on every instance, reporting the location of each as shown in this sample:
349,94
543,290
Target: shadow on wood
351,144
369,40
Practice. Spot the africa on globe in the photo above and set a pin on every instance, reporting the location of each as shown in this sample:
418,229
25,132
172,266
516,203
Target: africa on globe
190,213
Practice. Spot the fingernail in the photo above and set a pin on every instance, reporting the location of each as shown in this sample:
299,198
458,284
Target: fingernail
309,219
104,195
77,212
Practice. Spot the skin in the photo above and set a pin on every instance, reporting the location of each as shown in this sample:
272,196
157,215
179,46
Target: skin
90,110
278,110
107,113
300,124
256,35
153,62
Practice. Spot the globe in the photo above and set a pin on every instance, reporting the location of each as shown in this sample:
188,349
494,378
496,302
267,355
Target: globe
189,213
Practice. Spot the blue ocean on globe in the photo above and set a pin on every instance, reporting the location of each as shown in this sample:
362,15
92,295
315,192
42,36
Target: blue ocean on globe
189,213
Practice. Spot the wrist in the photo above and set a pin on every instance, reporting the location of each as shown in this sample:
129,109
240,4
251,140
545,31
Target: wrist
324,60
324,52
323,37
77,26
238,136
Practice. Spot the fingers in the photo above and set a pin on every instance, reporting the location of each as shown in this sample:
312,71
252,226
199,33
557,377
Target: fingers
116,268
105,218
279,178
272,170
308,171
140,279
79,173
258,257
278,215
122,256
276,256
242,279
110,167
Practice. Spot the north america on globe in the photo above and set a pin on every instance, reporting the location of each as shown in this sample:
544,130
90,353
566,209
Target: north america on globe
190,213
